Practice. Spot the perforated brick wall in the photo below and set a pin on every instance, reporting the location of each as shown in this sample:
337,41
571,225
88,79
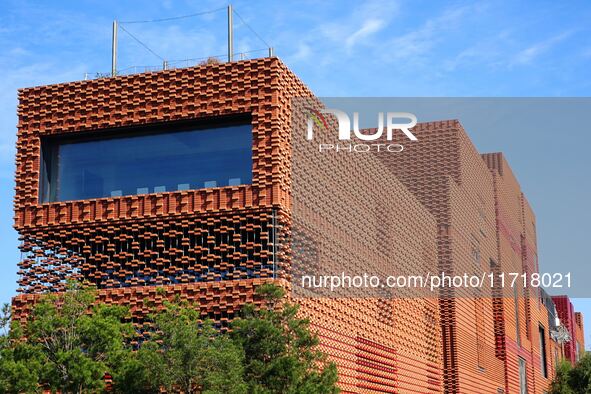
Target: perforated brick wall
212,246
445,172
443,206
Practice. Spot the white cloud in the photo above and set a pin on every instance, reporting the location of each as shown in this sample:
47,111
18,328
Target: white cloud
19,77
337,37
303,52
422,40
368,28
529,54
488,50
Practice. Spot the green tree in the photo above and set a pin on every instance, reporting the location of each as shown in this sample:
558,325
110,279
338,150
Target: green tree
70,344
573,380
184,354
280,350
5,316
560,384
580,376
19,361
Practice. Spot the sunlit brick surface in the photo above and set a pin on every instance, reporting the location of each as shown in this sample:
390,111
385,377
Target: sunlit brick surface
260,88
445,172
573,321
462,211
522,312
211,246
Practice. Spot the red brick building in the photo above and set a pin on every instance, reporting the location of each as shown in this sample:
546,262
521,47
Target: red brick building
524,332
446,173
181,179
573,321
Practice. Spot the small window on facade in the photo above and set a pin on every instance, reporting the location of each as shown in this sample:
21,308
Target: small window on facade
476,254
480,329
153,159
517,322
543,361
522,376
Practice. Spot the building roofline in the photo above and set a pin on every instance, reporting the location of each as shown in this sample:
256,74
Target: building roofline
24,90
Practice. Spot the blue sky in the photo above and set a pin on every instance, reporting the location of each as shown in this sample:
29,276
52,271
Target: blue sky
344,48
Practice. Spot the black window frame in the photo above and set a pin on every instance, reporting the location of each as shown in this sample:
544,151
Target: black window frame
48,144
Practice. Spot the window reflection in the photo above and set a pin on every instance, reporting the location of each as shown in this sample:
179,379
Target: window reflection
154,162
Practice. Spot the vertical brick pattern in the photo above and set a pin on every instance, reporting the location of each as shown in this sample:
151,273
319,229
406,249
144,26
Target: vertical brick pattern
580,332
358,219
522,312
446,173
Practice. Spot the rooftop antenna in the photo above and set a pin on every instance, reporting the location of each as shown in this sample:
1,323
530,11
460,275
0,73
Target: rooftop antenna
114,50
230,34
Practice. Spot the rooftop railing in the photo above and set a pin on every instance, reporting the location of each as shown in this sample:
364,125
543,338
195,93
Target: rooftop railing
183,63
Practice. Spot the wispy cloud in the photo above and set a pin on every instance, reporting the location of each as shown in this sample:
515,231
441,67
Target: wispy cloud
529,54
23,76
421,40
337,38
173,42
485,51
303,52
368,28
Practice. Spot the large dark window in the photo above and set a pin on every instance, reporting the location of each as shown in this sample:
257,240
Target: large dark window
147,160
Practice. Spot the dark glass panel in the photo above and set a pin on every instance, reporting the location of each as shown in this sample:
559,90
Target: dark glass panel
139,163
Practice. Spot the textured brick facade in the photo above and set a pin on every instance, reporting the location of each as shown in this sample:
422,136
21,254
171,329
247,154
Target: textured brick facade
446,173
485,225
573,321
458,212
523,313
579,335
349,214
213,246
